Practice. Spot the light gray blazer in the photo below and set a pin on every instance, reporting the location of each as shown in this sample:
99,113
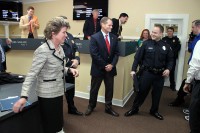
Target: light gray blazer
48,68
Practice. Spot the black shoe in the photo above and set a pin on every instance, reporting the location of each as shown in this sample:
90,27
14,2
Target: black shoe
172,87
76,112
131,112
88,111
111,112
157,115
176,103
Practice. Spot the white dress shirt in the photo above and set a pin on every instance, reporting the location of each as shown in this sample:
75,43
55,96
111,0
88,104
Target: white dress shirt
194,69
104,35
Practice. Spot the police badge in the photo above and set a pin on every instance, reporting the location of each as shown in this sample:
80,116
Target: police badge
163,47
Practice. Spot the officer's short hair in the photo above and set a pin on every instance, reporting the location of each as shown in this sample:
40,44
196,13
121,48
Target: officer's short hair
170,28
123,15
160,27
197,23
104,20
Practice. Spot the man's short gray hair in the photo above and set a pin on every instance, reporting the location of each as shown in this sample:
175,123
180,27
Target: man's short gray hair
95,10
104,20
197,22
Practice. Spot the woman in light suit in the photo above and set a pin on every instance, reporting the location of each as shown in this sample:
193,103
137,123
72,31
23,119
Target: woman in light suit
48,67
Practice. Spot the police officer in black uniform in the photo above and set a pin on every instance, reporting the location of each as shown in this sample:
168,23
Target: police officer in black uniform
174,43
71,51
155,59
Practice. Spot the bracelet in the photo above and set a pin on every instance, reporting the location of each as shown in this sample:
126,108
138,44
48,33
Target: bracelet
24,97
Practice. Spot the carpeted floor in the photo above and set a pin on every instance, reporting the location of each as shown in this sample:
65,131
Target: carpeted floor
100,122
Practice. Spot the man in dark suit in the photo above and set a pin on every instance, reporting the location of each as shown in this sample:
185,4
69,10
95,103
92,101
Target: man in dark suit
117,24
4,47
104,52
72,53
91,25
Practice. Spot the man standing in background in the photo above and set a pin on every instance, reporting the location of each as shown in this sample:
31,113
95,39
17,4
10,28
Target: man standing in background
174,43
91,25
104,52
117,25
29,24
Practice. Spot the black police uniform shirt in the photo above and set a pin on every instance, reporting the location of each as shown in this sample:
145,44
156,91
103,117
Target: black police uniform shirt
174,43
154,54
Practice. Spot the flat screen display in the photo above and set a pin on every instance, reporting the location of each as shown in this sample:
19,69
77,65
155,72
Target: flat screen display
82,8
10,10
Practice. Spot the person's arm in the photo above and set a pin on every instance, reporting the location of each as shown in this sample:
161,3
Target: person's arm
170,58
74,71
36,23
22,24
177,47
109,67
139,57
116,55
76,60
114,28
194,64
85,29
39,60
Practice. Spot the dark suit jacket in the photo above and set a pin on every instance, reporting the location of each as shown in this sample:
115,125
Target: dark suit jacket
116,27
5,48
88,28
100,56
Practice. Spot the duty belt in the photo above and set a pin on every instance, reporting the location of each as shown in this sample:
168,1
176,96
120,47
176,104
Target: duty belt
196,81
154,70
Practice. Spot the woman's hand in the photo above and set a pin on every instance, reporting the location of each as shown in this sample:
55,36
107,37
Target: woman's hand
75,72
19,105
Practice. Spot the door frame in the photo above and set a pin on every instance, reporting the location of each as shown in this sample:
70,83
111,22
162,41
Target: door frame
183,38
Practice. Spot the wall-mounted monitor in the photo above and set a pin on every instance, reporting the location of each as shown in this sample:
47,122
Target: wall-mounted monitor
10,10
82,8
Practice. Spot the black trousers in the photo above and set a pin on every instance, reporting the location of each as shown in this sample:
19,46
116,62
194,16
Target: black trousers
147,80
69,94
30,35
172,74
194,115
95,85
181,93
51,110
